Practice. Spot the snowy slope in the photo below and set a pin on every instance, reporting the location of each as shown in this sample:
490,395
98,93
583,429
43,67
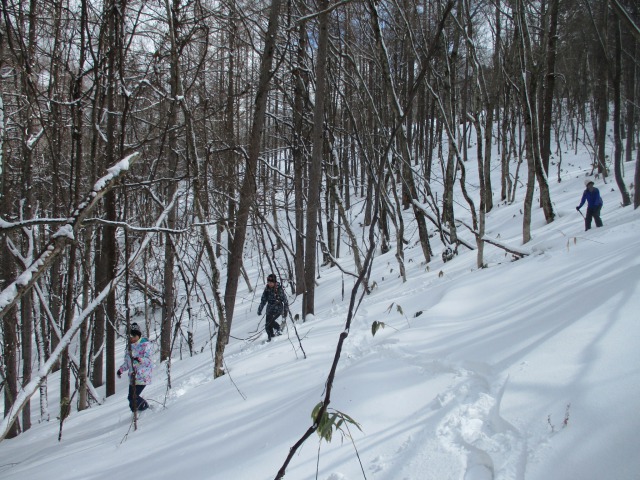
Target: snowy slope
526,369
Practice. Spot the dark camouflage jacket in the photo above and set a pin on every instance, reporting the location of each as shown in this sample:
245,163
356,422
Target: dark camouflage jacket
276,301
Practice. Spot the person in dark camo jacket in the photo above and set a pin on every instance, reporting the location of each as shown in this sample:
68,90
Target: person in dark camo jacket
275,299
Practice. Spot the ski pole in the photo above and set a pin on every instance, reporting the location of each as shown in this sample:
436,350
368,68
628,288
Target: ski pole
579,211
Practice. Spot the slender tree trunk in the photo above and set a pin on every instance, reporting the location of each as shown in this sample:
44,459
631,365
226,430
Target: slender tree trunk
168,286
199,195
630,93
301,83
26,305
229,122
9,346
7,276
101,278
83,366
450,103
527,95
530,117
549,85
248,189
602,91
483,193
315,169
410,194
69,311
77,138
117,8
636,180
488,144
617,117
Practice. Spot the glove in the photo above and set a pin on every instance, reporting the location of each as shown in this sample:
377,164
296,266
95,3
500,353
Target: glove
137,360
578,208
119,373
259,312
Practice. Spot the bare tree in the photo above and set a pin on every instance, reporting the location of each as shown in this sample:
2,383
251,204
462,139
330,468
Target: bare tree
529,88
298,151
399,116
315,168
549,84
248,189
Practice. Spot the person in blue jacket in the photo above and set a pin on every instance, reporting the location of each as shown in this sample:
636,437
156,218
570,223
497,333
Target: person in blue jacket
275,299
594,204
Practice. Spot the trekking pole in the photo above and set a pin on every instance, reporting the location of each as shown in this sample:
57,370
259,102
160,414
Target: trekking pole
258,332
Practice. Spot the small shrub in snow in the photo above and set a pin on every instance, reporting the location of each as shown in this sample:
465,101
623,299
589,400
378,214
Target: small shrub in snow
565,421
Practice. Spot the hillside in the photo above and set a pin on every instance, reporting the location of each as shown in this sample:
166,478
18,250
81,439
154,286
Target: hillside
524,369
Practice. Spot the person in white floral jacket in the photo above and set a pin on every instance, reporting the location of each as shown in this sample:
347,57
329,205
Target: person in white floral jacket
139,364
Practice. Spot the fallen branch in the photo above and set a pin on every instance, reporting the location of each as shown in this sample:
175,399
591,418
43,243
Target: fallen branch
439,225
518,252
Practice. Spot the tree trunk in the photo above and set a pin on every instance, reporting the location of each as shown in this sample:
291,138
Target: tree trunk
617,117
115,40
530,117
315,169
9,345
83,365
26,305
450,102
168,285
549,85
636,181
99,321
410,193
77,138
601,91
630,82
248,189
301,82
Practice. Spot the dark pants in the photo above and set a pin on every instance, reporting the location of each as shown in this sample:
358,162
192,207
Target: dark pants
595,214
271,325
134,393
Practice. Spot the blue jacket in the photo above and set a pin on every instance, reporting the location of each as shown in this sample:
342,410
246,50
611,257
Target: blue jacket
276,301
592,198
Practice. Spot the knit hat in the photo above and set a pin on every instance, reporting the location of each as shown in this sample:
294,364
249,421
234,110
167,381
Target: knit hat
135,330
587,181
271,278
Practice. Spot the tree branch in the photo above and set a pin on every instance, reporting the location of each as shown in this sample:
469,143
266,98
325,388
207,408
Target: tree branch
29,389
63,236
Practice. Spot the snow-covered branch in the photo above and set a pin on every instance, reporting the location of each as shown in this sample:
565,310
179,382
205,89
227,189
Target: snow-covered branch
62,237
7,226
25,394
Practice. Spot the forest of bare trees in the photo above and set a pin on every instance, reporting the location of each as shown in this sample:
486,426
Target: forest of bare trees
142,143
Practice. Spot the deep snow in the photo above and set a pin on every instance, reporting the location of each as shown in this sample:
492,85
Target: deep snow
526,369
